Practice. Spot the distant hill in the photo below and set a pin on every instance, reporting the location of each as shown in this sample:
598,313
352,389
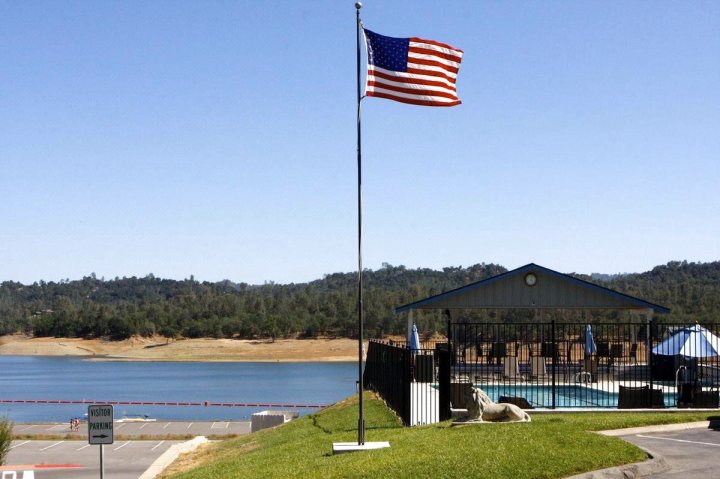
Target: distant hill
123,307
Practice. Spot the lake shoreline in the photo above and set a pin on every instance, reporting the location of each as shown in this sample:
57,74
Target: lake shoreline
184,350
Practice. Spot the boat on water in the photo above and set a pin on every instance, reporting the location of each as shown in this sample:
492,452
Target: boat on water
136,418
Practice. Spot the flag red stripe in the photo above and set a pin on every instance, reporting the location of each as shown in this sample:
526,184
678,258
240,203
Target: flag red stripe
416,81
433,42
435,53
412,101
411,91
421,61
420,71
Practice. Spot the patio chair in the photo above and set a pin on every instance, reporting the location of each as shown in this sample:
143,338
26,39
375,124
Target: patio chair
616,354
603,352
633,352
497,352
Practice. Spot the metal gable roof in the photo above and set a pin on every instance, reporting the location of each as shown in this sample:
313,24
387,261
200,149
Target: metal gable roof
552,290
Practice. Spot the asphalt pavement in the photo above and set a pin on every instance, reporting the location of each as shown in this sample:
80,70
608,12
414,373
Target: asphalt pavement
687,451
140,429
79,460
137,446
693,453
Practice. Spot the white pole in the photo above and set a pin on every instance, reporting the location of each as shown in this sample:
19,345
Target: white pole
102,466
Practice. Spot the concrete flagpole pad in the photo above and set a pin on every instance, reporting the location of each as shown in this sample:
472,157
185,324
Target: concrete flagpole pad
342,447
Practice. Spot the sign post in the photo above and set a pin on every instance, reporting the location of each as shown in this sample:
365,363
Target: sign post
100,429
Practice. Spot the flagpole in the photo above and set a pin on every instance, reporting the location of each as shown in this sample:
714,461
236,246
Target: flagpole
361,386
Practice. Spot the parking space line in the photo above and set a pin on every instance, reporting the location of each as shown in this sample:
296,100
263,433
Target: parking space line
158,445
143,425
166,425
28,428
53,445
55,428
189,425
18,445
121,425
226,425
120,447
81,448
680,440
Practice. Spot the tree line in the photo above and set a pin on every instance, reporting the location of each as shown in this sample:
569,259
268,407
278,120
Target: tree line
123,307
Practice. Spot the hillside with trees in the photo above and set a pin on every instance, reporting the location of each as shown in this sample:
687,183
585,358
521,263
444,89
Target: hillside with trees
123,307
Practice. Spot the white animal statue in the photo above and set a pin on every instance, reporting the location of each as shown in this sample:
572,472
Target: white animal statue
481,408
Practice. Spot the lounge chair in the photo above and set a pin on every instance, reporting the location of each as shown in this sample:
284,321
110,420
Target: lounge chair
538,367
511,369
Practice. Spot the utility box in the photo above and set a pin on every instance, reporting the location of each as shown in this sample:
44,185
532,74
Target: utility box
266,419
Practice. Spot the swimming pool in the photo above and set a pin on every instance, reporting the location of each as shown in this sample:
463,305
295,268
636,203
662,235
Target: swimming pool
566,395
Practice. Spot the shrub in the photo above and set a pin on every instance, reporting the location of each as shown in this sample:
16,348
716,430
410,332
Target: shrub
5,438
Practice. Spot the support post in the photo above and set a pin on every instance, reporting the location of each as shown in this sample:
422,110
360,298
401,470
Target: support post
648,346
554,355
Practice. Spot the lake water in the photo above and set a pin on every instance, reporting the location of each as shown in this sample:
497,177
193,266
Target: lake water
53,378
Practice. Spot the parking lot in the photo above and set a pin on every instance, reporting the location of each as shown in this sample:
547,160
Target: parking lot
69,456
80,460
141,429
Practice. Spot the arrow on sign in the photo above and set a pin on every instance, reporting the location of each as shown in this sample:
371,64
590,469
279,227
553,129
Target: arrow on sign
101,436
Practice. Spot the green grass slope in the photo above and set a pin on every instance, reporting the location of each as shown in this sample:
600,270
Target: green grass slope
551,446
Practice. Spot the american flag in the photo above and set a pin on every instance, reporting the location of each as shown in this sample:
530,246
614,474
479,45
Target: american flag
412,70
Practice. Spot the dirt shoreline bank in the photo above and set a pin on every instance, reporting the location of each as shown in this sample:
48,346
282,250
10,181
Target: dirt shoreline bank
162,349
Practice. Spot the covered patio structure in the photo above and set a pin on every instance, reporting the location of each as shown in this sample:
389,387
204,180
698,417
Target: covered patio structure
541,363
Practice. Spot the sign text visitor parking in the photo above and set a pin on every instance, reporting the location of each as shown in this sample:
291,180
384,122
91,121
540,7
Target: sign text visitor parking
100,424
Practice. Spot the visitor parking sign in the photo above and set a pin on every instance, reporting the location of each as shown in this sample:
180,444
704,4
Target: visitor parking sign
100,424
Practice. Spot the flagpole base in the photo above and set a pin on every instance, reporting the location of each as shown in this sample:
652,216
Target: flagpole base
343,447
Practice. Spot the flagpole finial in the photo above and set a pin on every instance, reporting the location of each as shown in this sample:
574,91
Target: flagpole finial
358,5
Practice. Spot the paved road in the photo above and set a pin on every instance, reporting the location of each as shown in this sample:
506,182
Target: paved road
691,454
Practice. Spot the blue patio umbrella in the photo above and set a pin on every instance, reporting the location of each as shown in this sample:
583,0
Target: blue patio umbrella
414,340
691,342
590,347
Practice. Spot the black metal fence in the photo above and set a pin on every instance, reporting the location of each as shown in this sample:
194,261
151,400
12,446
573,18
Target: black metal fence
609,365
550,365
415,384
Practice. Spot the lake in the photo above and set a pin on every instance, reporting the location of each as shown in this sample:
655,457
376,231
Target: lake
63,378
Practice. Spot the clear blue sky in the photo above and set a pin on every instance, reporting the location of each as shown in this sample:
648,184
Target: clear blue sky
217,139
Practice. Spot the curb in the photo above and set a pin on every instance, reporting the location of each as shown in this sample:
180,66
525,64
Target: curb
664,428
170,455
654,465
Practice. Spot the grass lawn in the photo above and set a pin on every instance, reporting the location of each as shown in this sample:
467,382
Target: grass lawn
551,446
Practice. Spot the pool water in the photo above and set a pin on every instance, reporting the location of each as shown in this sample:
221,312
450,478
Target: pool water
566,395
